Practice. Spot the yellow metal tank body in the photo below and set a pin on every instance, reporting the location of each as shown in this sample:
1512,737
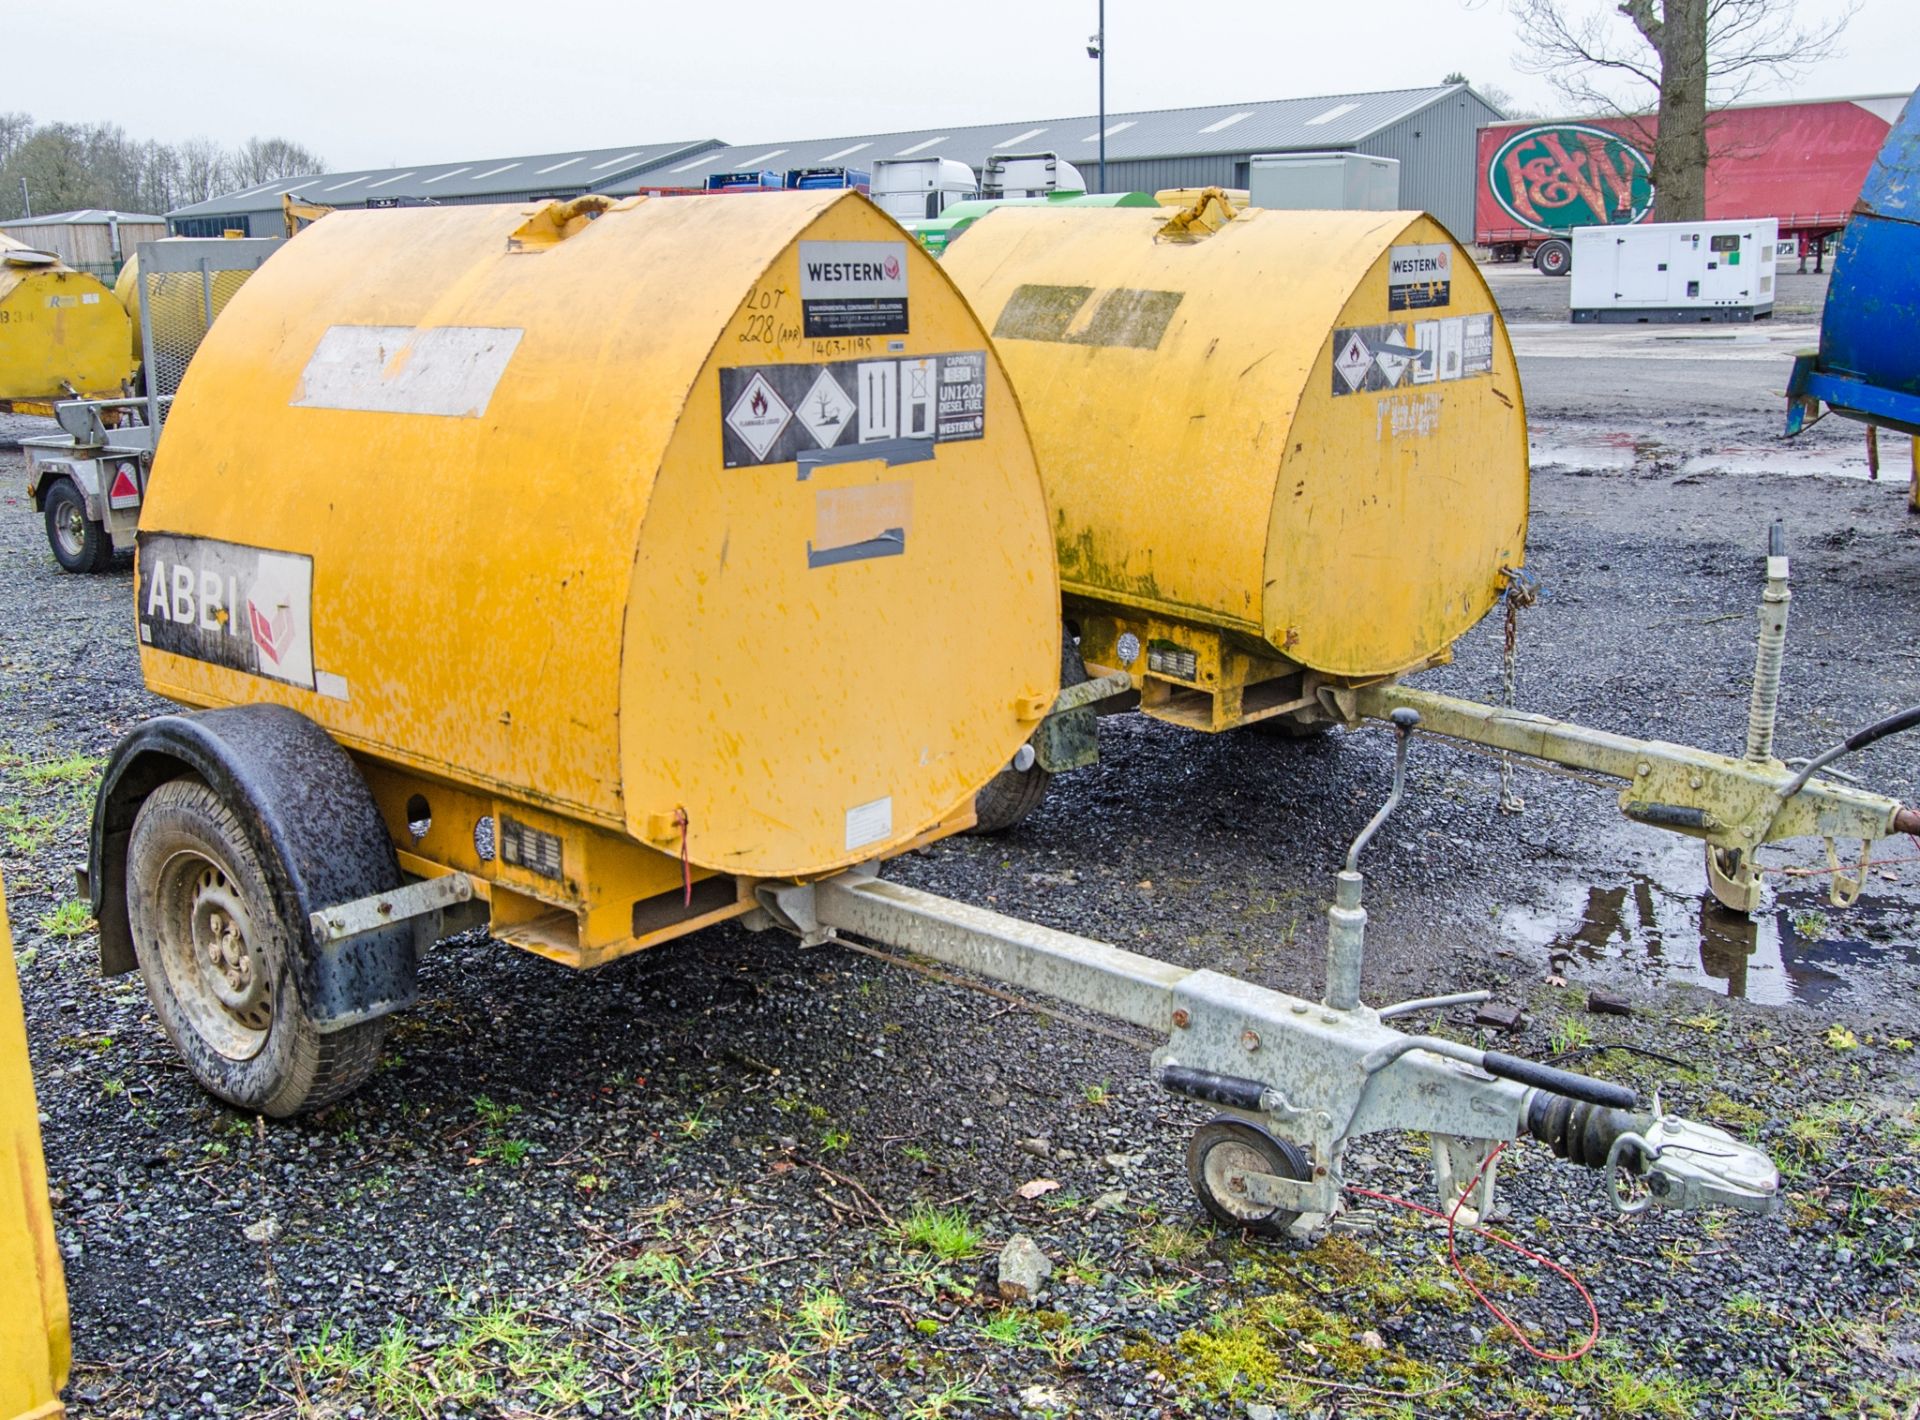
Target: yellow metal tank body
34,1343
1271,441
58,327
179,303
709,524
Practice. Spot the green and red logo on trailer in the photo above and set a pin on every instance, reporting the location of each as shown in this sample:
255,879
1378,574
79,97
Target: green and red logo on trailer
1558,176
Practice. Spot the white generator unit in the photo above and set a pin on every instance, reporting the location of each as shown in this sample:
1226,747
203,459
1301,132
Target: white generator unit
1675,271
1323,182
1029,175
920,189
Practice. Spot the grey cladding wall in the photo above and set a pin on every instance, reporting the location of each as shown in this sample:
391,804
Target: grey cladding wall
1436,149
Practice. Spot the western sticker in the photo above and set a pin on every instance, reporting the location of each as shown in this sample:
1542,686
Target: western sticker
450,370
1419,277
853,288
1372,358
241,607
782,413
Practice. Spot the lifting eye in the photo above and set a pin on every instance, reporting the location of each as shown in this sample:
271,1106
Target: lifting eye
419,817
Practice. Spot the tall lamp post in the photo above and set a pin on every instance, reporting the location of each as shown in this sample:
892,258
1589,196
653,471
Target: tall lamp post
1097,49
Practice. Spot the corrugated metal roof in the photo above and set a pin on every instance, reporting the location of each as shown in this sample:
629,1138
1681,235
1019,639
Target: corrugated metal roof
573,171
1265,126
84,217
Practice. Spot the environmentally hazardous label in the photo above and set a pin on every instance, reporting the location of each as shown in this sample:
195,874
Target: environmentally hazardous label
1373,358
241,607
1419,277
776,413
853,288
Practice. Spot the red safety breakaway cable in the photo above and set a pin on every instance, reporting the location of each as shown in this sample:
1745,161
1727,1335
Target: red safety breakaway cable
1453,1258
684,824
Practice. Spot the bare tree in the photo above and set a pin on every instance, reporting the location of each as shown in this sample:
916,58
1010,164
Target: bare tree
1604,56
203,170
1506,103
261,160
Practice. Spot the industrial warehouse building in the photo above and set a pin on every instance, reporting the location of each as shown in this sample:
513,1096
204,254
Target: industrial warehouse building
1430,131
93,239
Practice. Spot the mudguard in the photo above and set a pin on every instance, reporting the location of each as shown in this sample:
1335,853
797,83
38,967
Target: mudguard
312,824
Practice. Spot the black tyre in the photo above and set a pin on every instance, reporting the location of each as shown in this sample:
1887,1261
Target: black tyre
1225,1146
218,962
79,544
1553,258
1008,798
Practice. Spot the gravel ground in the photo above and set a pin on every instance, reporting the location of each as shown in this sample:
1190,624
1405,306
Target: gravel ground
737,1177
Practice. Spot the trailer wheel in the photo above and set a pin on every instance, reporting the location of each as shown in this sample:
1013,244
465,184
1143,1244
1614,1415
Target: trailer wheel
1227,1146
79,544
1554,258
218,962
1009,797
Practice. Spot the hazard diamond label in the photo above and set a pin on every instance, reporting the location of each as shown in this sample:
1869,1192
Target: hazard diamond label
1393,362
826,411
759,416
1352,360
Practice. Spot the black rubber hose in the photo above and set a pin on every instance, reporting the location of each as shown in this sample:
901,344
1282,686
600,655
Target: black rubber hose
1561,1082
1892,725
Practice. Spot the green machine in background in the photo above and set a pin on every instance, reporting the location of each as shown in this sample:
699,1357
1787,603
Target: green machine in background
936,234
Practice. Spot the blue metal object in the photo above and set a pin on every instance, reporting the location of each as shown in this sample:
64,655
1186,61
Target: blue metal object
764,180
808,178
1868,364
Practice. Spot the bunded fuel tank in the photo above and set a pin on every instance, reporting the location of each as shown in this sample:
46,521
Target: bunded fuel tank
711,523
183,303
1300,432
58,328
34,1344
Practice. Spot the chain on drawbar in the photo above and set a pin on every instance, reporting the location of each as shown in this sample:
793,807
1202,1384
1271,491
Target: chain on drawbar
1523,590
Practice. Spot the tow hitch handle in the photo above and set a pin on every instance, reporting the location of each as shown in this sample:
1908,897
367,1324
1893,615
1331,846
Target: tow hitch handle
1560,1082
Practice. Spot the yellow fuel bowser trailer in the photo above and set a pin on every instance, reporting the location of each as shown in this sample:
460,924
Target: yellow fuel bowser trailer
606,570
62,333
1285,454
34,1346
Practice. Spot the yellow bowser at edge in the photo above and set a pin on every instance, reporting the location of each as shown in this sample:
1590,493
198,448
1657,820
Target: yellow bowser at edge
1286,458
606,570
34,1345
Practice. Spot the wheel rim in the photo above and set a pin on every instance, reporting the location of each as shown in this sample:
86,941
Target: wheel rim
70,527
220,980
1229,1157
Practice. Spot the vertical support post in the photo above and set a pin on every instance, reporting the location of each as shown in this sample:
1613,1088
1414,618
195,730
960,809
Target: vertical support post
1764,704
1103,95
1873,452
1346,943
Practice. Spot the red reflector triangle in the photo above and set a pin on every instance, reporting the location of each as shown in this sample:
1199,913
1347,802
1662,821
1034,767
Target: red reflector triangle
124,486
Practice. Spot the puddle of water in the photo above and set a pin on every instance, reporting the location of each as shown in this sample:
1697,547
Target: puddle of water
1666,927
1615,453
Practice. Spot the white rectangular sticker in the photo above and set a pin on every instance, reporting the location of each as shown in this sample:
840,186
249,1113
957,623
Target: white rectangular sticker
449,370
870,822
853,288
1419,277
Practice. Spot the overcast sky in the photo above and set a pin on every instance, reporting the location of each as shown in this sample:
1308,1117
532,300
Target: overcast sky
369,83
